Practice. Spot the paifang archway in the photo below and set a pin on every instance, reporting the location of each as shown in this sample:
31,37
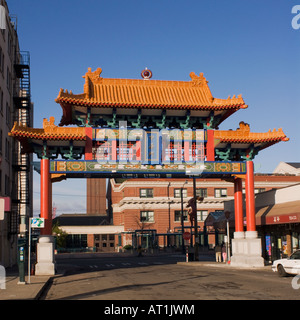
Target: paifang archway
144,128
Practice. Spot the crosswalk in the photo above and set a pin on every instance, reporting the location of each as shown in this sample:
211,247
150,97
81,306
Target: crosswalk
124,264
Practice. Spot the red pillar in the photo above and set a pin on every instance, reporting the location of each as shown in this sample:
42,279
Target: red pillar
114,150
88,143
238,205
210,146
45,199
138,151
186,148
250,197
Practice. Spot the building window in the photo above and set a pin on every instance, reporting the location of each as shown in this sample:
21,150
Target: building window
202,215
146,193
6,182
220,193
178,215
256,190
147,216
7,114
7,149
201,192
111,237
1,60
1,100
259,190
177,193
8,79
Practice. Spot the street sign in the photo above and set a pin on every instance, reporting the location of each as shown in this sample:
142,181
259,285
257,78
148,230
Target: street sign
186,236
33,223
37,222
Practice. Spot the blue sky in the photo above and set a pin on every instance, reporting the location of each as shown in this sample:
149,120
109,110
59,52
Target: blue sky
243,47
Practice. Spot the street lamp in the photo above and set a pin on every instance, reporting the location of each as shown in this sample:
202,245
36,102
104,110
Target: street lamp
168,239
182,221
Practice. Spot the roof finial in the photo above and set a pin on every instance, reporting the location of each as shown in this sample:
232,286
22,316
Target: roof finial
146,74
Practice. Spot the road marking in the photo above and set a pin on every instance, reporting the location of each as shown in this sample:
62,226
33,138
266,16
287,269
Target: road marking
126,264
110,265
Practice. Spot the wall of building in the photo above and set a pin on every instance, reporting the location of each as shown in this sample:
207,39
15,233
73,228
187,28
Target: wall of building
9,53
96,197
127,202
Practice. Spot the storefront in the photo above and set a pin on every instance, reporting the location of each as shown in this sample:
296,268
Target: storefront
278,241
277,221
279,226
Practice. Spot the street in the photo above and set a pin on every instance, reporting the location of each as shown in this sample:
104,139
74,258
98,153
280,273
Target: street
160,277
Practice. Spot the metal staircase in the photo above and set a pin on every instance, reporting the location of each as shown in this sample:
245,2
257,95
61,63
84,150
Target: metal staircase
22,161
22,93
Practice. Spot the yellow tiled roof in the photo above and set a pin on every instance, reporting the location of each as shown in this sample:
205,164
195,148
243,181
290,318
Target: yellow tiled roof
49,132
132,93
243,135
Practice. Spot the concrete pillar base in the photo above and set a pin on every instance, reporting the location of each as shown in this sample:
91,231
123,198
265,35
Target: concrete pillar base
239,235
246,252
251,234
45,256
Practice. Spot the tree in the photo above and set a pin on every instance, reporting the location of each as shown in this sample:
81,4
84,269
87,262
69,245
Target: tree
61,236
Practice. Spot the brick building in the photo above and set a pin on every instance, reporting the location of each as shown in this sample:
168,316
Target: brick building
149,210
15,168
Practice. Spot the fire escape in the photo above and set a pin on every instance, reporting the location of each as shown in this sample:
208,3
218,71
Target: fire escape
22,161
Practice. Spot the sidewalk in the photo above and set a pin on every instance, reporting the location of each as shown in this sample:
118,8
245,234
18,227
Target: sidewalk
28,291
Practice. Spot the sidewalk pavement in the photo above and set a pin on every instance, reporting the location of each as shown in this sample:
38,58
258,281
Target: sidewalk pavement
29,291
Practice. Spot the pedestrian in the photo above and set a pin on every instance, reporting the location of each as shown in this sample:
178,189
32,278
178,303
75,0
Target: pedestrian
224,254
139,251
218,251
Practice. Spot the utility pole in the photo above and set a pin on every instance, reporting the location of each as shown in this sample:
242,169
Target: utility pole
182,221
196,224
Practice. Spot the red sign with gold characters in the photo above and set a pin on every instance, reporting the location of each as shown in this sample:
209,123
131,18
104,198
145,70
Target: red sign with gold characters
288,218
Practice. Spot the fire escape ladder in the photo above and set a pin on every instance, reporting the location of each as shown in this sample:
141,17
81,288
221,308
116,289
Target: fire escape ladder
21,162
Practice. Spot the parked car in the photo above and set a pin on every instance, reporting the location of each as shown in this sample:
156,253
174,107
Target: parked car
287,266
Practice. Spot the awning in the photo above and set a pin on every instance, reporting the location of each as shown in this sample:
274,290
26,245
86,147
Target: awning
218,220
288,212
